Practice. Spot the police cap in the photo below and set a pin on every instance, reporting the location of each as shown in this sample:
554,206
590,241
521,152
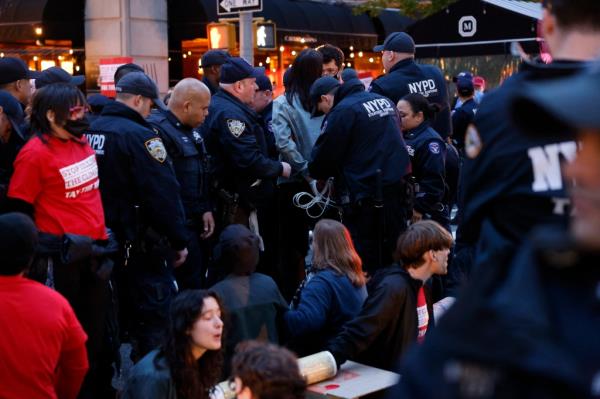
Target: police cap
236,69
262,81
464,74
57,75
398,42
12,109
320,87
213,57
553,108
139,83
349,73
464,85
13,69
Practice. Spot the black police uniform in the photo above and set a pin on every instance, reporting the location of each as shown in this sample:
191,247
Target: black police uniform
143,207
186,149
524,331
462,117
267,119
361,135
510,181
427,153
408,77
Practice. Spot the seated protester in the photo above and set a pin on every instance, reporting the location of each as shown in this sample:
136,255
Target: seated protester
42,350
332,293
398,311
252,300
188,364
266,371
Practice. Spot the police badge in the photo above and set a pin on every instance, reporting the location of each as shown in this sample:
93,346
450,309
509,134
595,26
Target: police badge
236,127
157,149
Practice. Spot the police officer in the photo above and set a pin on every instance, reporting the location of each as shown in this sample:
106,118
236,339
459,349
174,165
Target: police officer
11,116
463,115
244,173
532,326
211,63
405,76
512,182
142,206
361,146
263,105
427,152
176,126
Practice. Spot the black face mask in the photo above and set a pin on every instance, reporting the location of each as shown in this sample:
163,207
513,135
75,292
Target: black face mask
78,126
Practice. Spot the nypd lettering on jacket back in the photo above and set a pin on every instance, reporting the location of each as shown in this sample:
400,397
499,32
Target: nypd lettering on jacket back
379,108
424,87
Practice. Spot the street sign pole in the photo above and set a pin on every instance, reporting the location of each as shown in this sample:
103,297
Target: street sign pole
246,37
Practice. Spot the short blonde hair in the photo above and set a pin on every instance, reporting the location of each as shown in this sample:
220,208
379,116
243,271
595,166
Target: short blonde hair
419,238
333,247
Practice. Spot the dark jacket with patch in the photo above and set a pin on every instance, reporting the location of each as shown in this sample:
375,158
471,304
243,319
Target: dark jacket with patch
409,77
525,331
387,324
427,152
360,135
462,117
235,139
190,161
511,181
134,169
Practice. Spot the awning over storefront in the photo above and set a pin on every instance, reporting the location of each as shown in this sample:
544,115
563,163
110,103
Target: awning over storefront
19,18
316,22
478,27
389,21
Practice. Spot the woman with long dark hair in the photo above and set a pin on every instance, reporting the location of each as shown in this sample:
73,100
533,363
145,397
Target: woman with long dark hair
332,293
189,363
427,152
296,130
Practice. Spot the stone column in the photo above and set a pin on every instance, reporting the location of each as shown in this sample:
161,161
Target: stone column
127,28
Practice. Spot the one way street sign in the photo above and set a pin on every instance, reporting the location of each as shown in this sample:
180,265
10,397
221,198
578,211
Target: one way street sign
225,7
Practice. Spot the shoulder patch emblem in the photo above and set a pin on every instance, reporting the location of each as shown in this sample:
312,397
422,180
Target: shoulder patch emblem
473,142
156,149
236,127
434,147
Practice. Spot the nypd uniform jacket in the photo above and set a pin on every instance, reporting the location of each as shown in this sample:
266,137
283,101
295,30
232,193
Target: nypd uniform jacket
235,138
408,77
134,170
462,117
186,148
427,152
360,135
267,123
511,181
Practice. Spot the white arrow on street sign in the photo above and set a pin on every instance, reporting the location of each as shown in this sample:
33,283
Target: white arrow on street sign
234,6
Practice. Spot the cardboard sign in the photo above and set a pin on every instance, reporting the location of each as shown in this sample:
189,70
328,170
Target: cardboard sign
353,381
108,66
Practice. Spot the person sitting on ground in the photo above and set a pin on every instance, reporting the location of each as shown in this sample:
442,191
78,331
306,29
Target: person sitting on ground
42,350
332,293
252,300
188,365
398,311
266,371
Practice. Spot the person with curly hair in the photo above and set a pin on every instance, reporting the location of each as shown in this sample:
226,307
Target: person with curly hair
189,362
266,371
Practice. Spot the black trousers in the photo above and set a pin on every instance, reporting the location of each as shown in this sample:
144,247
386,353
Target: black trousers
376,230
89,295
192,273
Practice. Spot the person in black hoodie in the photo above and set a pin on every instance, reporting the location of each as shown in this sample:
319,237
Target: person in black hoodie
361,146
398,311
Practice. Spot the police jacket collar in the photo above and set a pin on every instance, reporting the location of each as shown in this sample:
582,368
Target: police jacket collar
238,103
115,108
175,121
349,87
402,64
418,130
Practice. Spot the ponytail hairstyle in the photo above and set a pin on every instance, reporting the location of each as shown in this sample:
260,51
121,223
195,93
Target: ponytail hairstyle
418,103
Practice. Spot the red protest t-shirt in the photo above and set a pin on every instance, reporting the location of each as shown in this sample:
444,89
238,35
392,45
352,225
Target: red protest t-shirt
60,179
422,315
38,328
